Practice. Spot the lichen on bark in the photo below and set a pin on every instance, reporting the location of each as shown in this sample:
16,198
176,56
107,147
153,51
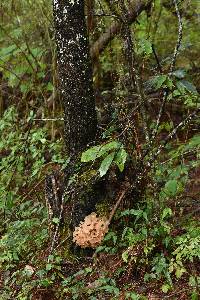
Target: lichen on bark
75,74
76,87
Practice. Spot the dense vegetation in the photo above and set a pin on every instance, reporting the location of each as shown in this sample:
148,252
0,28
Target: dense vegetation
145,159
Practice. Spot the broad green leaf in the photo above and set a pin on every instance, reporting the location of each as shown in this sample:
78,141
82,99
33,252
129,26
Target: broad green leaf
179,73
184,85
169,83
105,165
166,212
107,147
195,141
194,295
90,154
157,81
15,256
98,151
179,272
189,86
120,159
88,270
145,47
7,50
165,288
110,289
133,296
171,187
50,87
10,200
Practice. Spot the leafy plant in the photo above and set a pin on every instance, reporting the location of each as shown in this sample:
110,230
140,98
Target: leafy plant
113,153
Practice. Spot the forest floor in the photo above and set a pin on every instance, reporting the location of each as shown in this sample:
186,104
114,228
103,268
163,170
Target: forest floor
190,206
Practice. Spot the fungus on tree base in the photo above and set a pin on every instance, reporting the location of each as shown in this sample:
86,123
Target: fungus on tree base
91,231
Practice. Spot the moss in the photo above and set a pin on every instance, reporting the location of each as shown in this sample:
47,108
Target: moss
89,190
103,208
88,176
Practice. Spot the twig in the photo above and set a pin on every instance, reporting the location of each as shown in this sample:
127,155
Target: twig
9,69
47,119
177,293
186,121
19,47
57,227
156,58
117,204
166,92
181,154
130,55
62,242
27,194
180,34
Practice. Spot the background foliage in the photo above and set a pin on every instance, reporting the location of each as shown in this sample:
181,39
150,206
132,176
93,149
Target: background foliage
152,244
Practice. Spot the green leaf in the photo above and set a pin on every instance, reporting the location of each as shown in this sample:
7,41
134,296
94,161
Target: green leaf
179,73
171,187
110,289
120,159
48,267
105,165
179,272
157,81
188,86
169,83
165,288
43,141
166,212
7,50
107,147
10,200
98,151
90,154
125,256
88,270
194,141
133,296
145,47
15,256
194,295
49,87
55,220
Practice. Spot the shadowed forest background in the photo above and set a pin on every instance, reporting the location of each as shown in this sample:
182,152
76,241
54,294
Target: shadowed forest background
99,149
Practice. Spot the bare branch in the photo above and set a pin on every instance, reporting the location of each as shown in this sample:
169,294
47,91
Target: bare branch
186,121
172,66
179,39
136,7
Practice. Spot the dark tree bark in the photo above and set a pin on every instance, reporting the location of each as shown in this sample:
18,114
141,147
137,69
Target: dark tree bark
76,87
75,74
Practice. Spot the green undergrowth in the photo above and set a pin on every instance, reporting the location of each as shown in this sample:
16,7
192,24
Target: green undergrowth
152,248
154,243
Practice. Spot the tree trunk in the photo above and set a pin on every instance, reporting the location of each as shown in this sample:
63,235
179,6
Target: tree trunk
75,74
76,87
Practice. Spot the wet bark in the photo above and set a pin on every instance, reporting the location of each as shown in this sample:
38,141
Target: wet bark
76,87
75,74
